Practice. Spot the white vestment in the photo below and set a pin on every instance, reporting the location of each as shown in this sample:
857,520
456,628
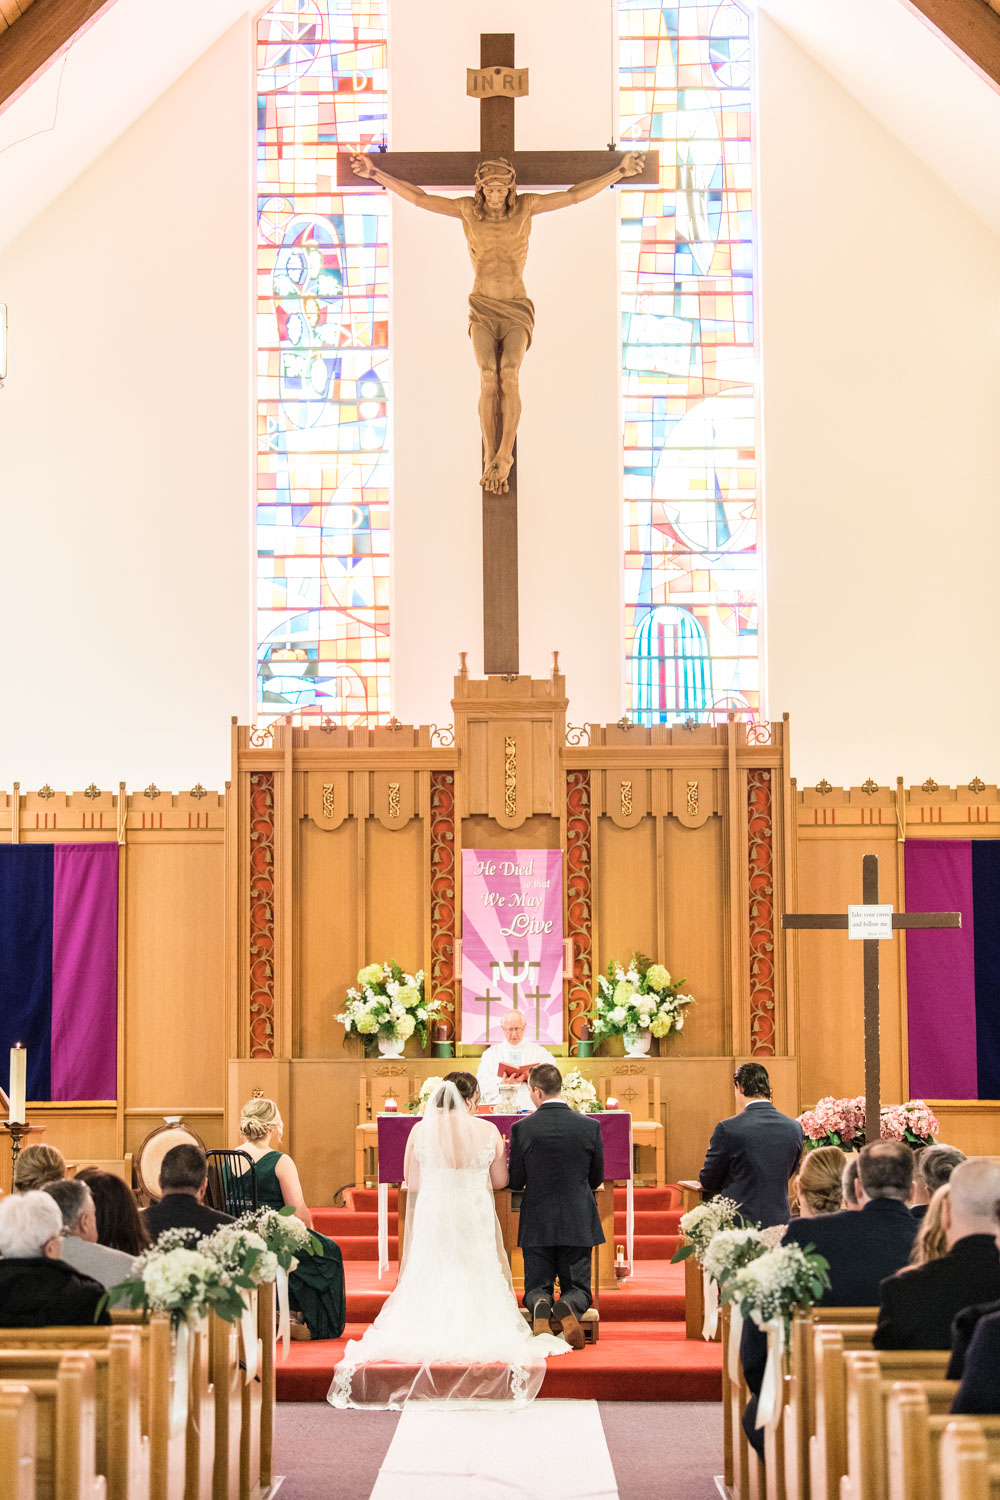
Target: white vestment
525,1054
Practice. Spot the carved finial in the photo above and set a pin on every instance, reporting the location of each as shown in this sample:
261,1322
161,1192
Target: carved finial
555,663
327,725
92,792
624,722
977,786
394,724
258,1094
869,787
930,785
45,792
198,791
463,666
823,787
152,791
690,724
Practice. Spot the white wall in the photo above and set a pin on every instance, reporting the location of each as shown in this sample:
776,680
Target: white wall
125,452
881,341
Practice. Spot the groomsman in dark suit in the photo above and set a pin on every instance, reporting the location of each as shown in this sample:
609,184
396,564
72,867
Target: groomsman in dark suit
753,1153
557,1157
919,1305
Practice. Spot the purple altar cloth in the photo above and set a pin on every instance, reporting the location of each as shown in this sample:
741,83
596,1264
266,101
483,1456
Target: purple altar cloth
616,1129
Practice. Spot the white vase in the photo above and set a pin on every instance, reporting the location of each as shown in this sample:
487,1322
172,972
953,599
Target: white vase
391,1046
636,1043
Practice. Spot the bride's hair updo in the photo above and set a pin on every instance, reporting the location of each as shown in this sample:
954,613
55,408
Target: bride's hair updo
466,1083
258,1118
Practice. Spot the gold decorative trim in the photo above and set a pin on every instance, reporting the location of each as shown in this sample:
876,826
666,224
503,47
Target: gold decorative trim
152,791
443,735
510,776
626,799
328,725
930,785
578,734
92,792
869,787
328,800
198,791
394,799
509,676
45,792
261,735
625,723
393,724
692,799
690,724
977,786
824,788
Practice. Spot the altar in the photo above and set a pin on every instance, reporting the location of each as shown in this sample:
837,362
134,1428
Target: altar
616,1134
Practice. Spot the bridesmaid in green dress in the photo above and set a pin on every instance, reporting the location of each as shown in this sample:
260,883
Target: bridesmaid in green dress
316,1286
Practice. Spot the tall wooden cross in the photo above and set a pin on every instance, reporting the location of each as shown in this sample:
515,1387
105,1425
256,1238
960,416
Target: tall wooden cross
870,917
496,85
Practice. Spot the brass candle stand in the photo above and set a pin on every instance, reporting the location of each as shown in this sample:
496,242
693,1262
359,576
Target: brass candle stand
17,1130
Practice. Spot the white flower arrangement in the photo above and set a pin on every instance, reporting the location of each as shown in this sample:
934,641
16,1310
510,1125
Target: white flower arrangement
241,1254
701,1224
179,1281
420,1103
284,1236
388,1003
773,1284
730,1250
642,997
580,1094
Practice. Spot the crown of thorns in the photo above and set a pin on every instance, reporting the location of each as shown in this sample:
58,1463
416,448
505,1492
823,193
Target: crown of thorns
488,171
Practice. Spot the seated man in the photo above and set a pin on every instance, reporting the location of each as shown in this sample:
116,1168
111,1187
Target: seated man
849,1184
515,1052
979,1393
37,1288
932,1169
79,1247
919,1304
754,1152
183,1183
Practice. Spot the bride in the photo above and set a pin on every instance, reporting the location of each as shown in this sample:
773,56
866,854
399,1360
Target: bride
451,1331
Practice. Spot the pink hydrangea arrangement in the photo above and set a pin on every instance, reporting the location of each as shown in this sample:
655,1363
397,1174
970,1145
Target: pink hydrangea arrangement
841,1122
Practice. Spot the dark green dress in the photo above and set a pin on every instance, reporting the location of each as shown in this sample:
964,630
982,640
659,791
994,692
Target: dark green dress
316,1286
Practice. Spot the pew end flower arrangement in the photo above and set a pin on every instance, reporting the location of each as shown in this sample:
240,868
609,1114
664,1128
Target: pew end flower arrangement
701,1224
284,1236
388,1005
637,1001
188,1283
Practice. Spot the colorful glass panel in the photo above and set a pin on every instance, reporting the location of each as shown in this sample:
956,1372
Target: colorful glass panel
323,462
692,570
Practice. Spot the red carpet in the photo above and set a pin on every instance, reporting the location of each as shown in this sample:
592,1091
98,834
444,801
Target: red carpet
642,1354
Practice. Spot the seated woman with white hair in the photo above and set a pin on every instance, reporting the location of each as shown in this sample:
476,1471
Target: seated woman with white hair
37,1288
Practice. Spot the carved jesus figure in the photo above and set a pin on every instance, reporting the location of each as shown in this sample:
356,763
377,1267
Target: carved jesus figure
497,223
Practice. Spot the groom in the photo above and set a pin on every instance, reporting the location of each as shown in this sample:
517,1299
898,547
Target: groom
557,1157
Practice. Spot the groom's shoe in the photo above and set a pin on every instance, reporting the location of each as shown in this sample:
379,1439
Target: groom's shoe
541,1315
569,1326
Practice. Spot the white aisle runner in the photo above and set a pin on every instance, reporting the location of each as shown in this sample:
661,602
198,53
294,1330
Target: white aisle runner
550,1450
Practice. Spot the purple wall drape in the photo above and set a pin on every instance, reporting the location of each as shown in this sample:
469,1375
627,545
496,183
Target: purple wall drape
941,973
85,971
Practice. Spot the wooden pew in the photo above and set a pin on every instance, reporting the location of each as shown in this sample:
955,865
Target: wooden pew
799,1417
266,1328
199,1452
828,1439
166,1449
748,1473
250,1416
121,1451
966,1471
17,1442
227,1380
914,1442
870,1378
65,1430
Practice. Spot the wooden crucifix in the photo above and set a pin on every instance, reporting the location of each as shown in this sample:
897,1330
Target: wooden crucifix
497,222
870,923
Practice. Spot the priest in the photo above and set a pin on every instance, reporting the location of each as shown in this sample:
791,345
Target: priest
513,1053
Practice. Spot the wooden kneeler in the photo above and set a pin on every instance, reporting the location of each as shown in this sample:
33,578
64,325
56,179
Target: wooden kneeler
590,1322
17,1442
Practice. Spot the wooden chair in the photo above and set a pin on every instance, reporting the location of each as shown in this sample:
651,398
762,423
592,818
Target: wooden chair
149,1157
395,1081
870,1377
17,1441
637,1089
966,1471
121,1450
915,1437
232,1182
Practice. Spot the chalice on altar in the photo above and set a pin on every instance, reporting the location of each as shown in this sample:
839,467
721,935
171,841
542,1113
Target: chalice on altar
508,1099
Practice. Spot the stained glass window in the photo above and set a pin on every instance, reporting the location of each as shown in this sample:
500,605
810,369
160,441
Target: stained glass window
323,464
692,570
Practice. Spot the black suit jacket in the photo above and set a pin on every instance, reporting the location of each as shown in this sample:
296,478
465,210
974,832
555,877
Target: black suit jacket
750,1158
37,1292
918,1307
979,1393
182,1211
863,1248
962,1329
557,1157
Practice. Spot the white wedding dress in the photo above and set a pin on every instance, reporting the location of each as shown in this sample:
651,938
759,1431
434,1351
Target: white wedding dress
451,1331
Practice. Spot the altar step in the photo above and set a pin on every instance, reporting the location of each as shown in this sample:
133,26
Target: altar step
650,1199
341,1221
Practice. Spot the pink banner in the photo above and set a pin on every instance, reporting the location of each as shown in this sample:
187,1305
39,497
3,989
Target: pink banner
512,942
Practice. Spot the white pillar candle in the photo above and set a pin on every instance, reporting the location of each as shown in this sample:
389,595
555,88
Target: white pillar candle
18,1081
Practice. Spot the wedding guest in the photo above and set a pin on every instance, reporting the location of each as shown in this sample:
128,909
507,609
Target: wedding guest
316,1287
932,1239
968,1320
183,1183
754,1152
864,1248
119,1225
516,1053
817,1184
917,1307
934,1165
36,1166
850,1182
37,1287
80,1248
979,1393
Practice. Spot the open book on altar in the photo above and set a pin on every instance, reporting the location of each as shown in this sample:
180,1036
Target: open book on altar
508,1074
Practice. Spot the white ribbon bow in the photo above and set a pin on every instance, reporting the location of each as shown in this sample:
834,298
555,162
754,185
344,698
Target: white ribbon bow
183,1351
284,1321
710,1323
735,1336
248,1327
768,1403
